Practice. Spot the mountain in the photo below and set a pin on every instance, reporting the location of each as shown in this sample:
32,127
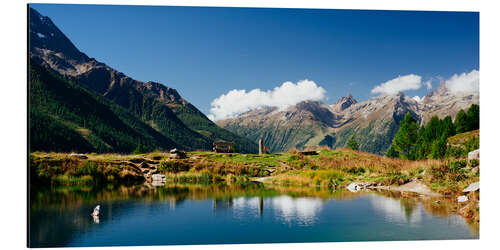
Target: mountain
442,102
66,117
304,124
343,103
160,107
374,122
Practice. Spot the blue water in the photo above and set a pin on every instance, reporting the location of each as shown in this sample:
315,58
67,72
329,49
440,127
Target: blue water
208,215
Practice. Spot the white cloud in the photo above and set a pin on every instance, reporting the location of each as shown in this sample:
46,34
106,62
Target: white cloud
398,84
236,101
464,83
428,84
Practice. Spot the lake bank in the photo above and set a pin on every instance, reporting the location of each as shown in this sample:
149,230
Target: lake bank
330,169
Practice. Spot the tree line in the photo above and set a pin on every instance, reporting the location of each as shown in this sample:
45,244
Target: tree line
429,141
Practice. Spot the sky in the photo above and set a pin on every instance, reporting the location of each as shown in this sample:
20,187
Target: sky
228,60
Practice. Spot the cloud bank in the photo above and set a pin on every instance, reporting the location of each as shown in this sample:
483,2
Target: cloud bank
464,83
401,83
236,101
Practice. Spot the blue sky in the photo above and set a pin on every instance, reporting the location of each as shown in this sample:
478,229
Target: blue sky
206,52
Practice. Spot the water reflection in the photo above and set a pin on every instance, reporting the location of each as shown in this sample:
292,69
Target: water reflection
303,210
398,211
251,213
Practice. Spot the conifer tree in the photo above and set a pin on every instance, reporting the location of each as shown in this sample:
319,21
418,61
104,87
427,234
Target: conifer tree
473,117
392,153
461,123
405,140
352,143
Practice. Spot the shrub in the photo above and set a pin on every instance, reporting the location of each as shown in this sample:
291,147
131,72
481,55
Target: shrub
474,163
457,166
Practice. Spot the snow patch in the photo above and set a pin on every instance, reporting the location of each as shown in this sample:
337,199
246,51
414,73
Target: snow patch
40,35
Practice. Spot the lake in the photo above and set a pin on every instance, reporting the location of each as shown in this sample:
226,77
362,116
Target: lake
228,214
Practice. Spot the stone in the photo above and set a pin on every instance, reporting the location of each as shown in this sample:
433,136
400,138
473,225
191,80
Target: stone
462,198
357,186
473,187
475,169
177,154
473,155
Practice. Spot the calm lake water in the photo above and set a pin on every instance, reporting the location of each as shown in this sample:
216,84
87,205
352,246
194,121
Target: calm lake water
215,214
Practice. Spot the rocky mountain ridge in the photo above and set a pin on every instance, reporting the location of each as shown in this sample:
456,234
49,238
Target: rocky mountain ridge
374,122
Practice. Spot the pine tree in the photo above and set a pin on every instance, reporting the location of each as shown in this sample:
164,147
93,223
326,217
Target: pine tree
405,140
473,117
392,153
439,147
461,122
448,128
138,150
352,143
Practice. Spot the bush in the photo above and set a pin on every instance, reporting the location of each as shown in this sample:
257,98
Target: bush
474,163
455,152
457,166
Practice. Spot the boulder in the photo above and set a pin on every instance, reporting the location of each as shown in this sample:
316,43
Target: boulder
177,154
462,198
473,187
473,155
357,186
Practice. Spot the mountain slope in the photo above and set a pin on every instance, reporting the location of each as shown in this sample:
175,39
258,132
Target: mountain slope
373,122
155,104
298,126
67,117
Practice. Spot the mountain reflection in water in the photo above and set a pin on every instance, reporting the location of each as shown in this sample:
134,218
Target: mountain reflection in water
251,213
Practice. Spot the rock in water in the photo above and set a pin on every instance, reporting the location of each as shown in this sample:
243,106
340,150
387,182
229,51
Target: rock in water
473,155
462,198
473,187
356,186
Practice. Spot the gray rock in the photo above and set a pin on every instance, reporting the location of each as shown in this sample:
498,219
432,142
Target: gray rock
462,198
177,154
357,186
473,155
473,187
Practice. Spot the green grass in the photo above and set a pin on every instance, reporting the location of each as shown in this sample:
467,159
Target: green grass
329,169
